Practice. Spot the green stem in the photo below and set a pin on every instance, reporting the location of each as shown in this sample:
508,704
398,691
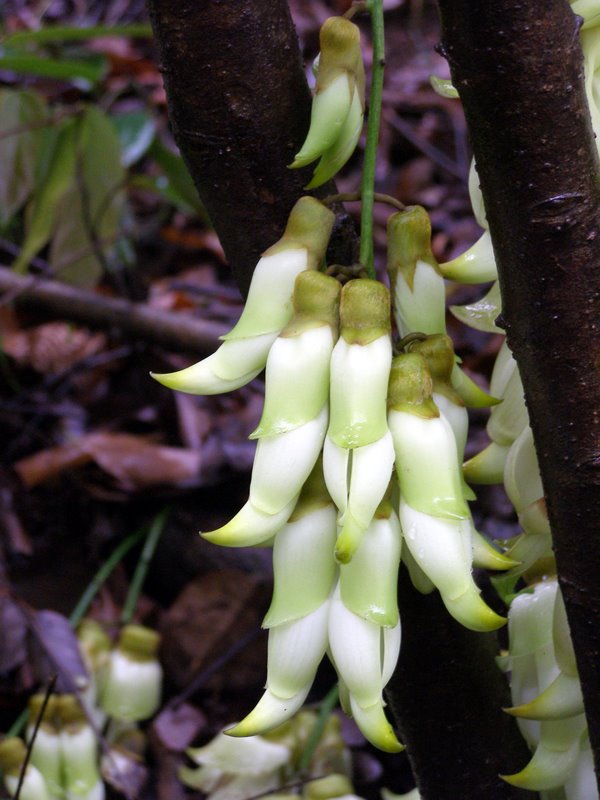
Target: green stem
102,575
141,569
368,177
327,706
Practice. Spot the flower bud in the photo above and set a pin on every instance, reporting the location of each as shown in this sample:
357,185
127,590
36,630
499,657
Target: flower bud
417,284
12,756
133,683
46,749
338,102
79,752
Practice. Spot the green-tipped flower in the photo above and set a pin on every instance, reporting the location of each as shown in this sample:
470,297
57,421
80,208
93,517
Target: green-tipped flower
475,265
297,374
417,284
268,308
442,549
295,651
338,102
12,756
522,479
426,453
46,747
485,555
333,786
303,566
358,453
364,655
250,526
79,752
231,769
481,314
369,583
134,681
487,467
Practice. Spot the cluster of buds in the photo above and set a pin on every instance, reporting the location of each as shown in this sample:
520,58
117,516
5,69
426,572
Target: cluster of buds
340,413
123,685
64,753
547,697
338,105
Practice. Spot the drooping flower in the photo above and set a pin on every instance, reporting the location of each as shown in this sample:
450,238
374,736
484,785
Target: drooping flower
268,308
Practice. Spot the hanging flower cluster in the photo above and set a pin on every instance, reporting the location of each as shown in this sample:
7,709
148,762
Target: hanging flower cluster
123,685
358,462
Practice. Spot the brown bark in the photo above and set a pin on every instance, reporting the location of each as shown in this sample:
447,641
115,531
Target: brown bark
239,107
519,73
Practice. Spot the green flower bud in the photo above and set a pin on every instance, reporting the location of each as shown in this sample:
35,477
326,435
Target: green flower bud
417,284
360,365
46,748
79,750
339,87
133,683
12,756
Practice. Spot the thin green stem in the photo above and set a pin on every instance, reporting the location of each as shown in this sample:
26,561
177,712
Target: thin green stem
102,575
141,569
327,706
368,177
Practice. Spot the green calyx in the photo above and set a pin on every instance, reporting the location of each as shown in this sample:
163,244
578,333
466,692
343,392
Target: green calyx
438,352
339,40
34,708
316,302
139,643
314,493
69,711
309,225
409,241
12,755
411,386
364,311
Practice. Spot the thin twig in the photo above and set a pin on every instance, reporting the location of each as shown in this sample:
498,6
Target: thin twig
354,197
36,727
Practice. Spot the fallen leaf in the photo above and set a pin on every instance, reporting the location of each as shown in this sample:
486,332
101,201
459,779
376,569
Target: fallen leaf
56,650
13,635
177,726
52,347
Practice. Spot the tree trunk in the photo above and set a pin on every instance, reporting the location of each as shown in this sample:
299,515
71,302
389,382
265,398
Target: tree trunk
239,107
518,70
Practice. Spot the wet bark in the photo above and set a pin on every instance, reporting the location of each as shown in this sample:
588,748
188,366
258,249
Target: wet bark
239,107
520,77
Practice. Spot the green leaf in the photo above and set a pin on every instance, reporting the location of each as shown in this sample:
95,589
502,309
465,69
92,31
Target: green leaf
91,70
88,215
20,113
136,130
180,188
59,156
71,33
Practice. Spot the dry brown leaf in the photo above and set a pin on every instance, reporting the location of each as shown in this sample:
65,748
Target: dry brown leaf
134,462
52,347
210,616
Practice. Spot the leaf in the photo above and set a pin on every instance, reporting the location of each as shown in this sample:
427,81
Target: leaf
58,650
92,70
60,158
20,111
178,726
88,215
71,33
13,631
179,188
123,772
135,130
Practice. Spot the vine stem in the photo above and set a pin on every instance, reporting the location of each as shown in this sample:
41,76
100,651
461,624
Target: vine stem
368,177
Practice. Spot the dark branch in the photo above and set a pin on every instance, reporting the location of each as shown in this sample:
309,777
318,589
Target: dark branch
519,73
